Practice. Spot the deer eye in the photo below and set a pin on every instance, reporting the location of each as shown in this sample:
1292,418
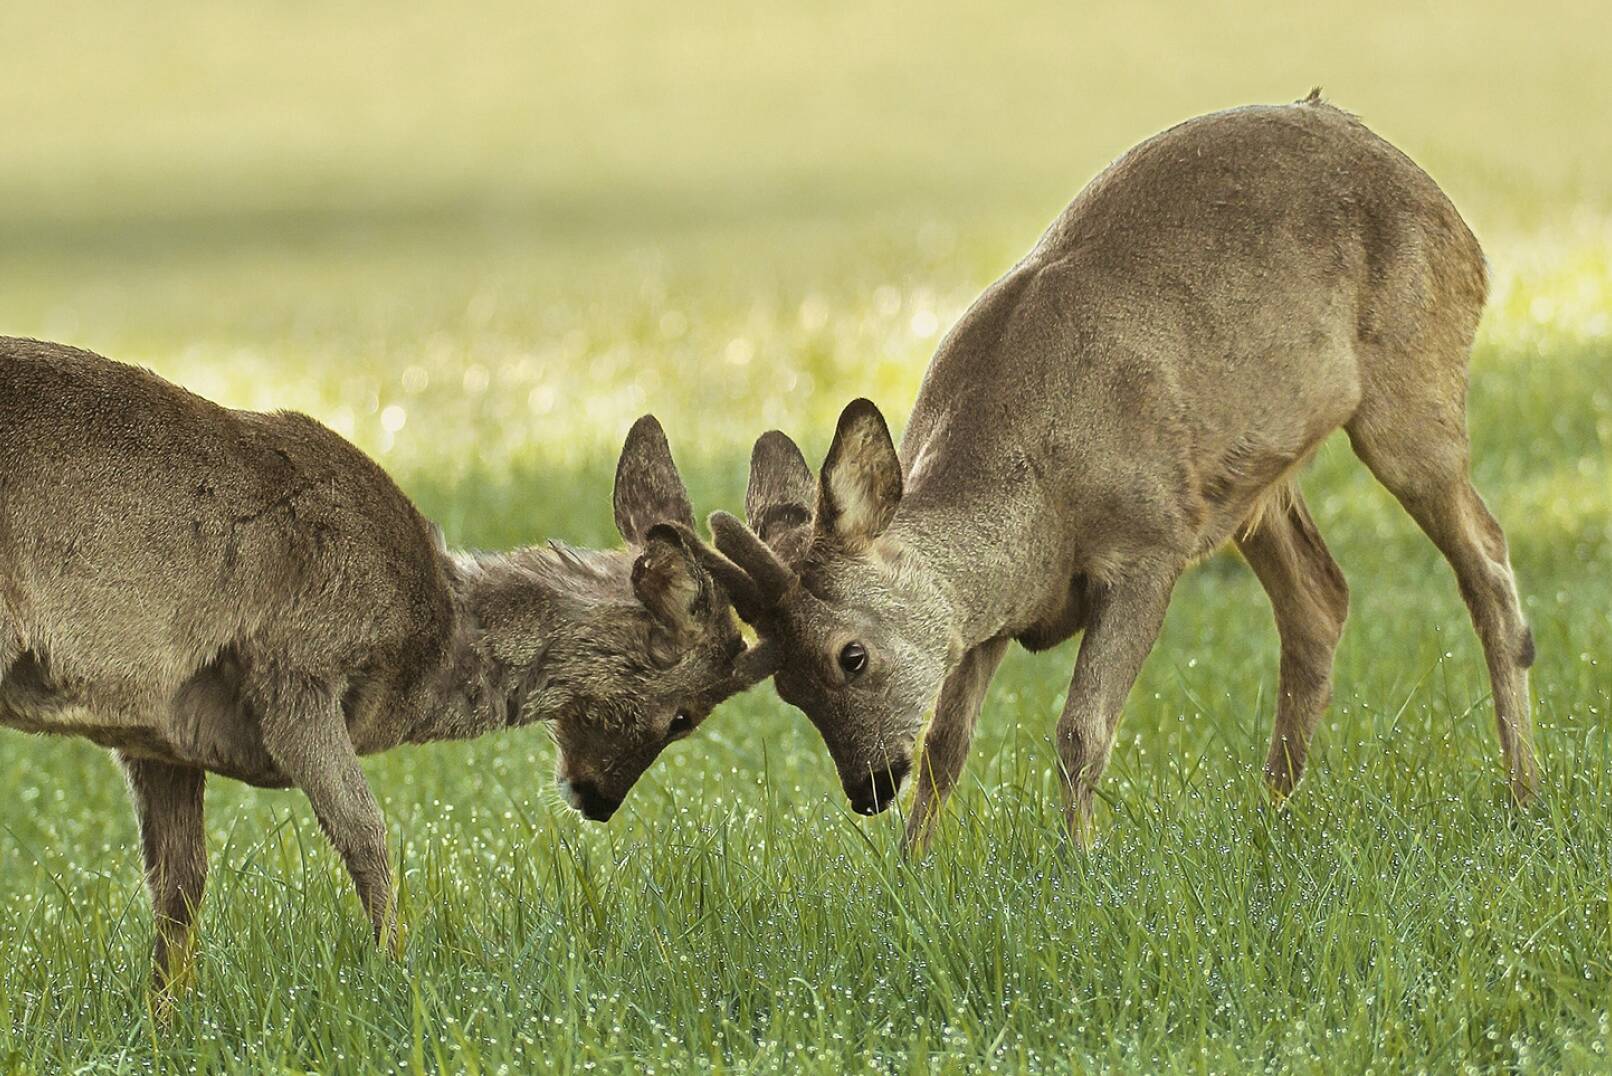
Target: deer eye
681,725
854,659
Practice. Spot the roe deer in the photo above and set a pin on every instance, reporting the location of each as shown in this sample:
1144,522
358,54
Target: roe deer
207,590
1141,388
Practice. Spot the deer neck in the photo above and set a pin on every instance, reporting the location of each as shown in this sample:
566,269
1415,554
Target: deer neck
989,561
474,691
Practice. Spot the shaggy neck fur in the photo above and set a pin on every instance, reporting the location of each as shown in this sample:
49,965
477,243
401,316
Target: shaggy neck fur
477,690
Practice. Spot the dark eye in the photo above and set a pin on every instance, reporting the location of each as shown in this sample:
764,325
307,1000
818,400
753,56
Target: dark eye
853,659
681,725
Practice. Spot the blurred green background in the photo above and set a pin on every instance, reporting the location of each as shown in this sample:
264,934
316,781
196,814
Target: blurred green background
480,240
558,216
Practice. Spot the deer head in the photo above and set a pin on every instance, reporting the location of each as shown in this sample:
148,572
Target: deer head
861,628
622,651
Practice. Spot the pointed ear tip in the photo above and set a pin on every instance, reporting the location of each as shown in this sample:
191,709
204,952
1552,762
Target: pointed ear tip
862,406
776,454
859,411
646,431
774,440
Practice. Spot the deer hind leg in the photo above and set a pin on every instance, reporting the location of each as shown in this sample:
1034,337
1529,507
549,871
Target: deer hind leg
1310,599
950,732
168,806
1421,454
305,734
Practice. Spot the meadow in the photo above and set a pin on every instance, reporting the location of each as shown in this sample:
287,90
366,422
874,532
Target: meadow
480,244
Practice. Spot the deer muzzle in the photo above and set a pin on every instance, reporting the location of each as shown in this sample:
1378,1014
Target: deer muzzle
877,790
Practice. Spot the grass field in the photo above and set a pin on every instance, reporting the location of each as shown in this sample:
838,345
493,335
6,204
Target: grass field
481,248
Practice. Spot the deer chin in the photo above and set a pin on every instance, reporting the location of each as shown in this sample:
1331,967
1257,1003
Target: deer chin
588,799
878,786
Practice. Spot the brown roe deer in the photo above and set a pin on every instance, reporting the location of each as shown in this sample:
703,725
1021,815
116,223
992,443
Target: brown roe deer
204,590
1139,390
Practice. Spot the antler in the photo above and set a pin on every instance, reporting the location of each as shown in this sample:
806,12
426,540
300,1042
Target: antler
755,665
744,549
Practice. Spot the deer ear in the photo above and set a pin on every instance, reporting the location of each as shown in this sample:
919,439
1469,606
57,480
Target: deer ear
673,586
648,487
861,481
779,498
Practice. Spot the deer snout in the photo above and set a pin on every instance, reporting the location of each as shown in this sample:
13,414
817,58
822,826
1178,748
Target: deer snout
586,798
878,789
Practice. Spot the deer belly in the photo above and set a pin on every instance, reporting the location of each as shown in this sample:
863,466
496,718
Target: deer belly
203,725
32,702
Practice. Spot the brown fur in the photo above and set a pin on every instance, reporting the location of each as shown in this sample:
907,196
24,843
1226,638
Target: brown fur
1139,390
207,590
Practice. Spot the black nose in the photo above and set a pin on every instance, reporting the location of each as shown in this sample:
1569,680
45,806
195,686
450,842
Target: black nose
594,805
879,790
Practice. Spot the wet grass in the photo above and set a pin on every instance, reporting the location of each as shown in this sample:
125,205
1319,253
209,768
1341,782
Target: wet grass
481,249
